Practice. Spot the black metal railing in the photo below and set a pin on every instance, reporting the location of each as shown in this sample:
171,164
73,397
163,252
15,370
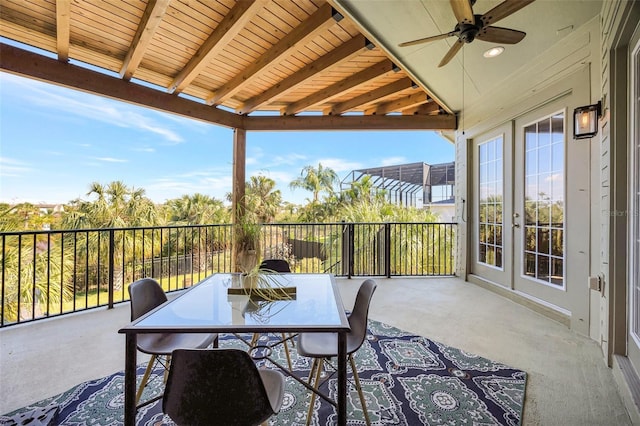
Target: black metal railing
50,273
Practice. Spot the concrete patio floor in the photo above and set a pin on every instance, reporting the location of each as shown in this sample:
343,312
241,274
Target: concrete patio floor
567,384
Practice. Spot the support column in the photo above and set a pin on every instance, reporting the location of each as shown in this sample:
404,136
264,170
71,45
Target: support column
238,184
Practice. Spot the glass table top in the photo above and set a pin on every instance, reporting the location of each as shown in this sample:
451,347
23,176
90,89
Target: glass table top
208,306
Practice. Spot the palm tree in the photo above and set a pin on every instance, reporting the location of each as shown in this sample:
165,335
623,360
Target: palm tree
364,189
316,180
23,217
197,209
262,199
40,259
200,243
115,206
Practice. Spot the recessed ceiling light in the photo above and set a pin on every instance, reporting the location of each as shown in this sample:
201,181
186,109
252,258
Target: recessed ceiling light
493,52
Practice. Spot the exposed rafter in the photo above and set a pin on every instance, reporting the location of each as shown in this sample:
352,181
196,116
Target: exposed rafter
428,108
346,52
400,104
322,19
378,70
63,20
151,18
230,26
372,96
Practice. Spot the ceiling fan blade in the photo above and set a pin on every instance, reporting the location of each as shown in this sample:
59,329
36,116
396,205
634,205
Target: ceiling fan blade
500,35
427,39
451,53
462,10
503,10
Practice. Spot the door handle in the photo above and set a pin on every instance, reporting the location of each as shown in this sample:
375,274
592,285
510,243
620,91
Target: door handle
515,225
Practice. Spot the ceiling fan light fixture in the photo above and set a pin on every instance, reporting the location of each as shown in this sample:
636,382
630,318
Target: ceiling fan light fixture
471,26
493,52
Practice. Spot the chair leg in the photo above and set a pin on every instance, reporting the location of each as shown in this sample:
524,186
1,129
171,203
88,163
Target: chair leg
319,365
166,368
254,339
145,378
286,351
360,393
313,369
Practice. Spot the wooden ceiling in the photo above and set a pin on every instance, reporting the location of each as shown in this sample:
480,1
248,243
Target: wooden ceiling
257,65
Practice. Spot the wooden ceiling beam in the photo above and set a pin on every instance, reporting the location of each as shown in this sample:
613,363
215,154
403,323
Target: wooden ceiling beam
428,108
229,27
346,52
324,18
150,21
378,70
28,64
401,104
371,96
63,29
350,122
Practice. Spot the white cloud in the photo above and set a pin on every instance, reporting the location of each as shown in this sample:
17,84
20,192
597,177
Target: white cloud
286,160
338,164
393,161
10,167
146,149
250,161
254,156
10,161
282,178
111,159
94,107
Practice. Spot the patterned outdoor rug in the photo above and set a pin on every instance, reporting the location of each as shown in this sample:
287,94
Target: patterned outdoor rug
407,380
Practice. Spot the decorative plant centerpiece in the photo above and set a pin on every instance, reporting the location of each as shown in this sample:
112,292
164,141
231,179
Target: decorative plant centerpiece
247,239
260,284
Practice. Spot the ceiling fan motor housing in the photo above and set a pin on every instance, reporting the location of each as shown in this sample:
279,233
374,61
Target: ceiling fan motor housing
467,32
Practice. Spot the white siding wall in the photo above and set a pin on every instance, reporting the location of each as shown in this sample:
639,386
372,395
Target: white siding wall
605,196
619,18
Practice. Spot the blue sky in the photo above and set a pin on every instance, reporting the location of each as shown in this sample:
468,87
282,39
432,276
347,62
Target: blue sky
54,142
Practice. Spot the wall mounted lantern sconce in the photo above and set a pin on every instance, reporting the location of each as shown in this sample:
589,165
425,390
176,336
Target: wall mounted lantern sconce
585,121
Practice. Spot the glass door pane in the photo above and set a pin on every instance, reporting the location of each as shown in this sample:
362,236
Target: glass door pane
490,203
543,204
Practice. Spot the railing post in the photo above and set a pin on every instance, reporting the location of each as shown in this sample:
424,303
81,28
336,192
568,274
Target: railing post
387,249
111,265
347,249
344,253
351,243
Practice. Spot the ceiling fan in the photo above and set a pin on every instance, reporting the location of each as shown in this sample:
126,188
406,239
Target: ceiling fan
471,26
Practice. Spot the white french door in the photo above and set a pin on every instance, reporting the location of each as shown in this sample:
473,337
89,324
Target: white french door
491,253
539,205
530,228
